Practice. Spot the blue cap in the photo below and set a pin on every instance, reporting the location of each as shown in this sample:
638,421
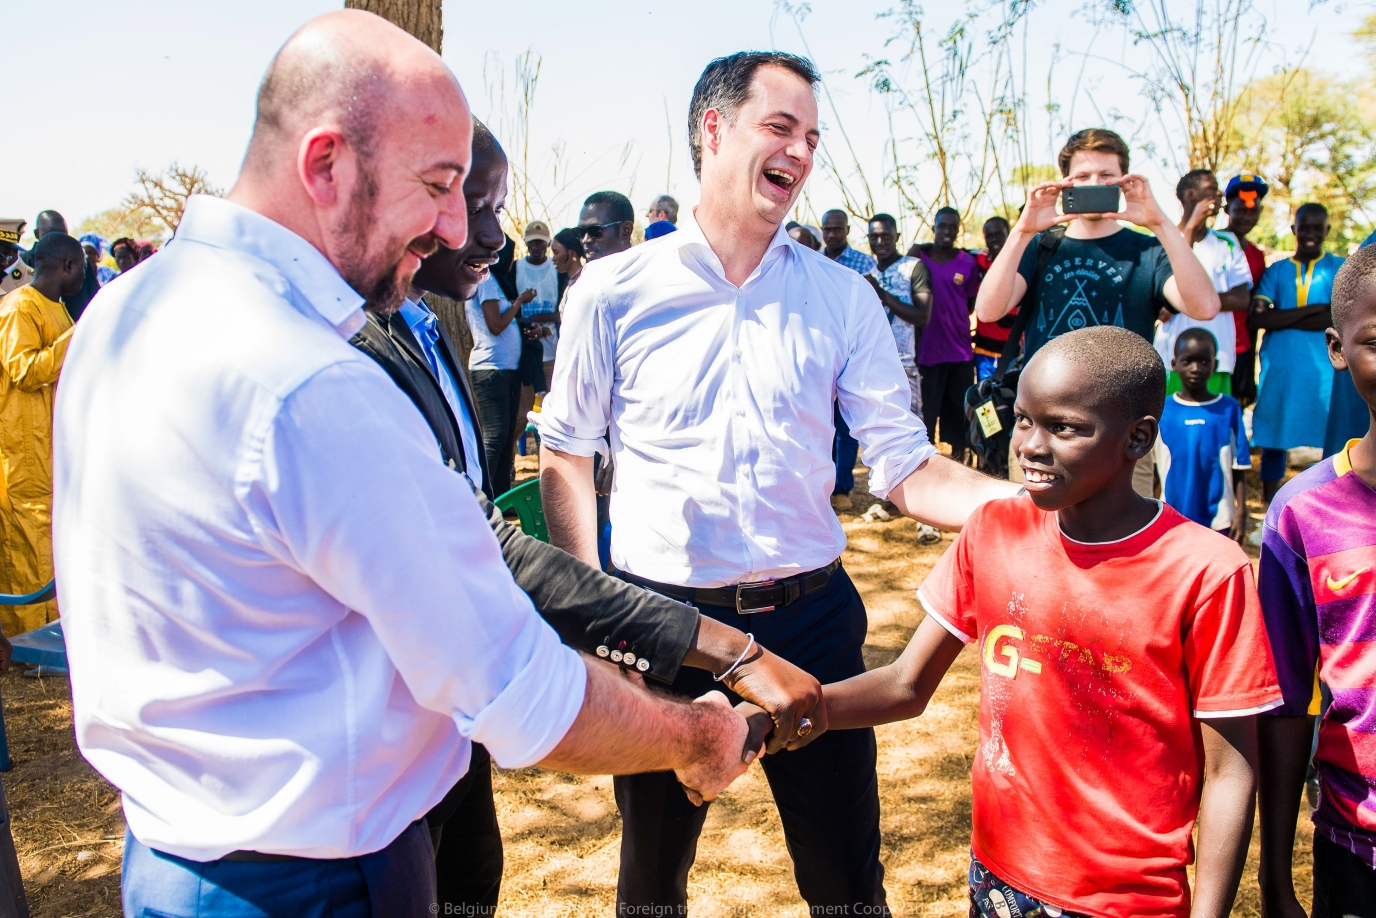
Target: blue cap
1246,185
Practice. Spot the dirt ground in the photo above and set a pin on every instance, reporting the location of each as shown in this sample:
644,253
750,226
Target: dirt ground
562,833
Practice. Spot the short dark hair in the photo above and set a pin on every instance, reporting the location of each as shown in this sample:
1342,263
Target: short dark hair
945,210
1190,181
1097,140
1352,283
836,210
1117,367
570,240
1001,220
725,85
1195,333
884,218
618,205
1310,207
57,246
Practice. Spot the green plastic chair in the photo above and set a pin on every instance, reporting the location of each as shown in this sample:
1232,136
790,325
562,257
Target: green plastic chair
524,499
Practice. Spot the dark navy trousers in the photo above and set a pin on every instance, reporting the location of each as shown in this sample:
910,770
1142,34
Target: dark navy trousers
827,792
396,882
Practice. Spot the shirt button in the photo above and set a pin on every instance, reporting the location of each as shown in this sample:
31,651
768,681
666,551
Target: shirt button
603,651
643,665
628,659
616,656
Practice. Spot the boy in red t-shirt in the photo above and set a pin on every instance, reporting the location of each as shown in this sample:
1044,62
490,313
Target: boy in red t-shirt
1123,661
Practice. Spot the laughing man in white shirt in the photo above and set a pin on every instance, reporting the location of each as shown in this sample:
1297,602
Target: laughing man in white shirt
713,354
280,655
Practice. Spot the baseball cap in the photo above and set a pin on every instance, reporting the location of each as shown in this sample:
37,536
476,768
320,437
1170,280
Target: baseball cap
537,229
1248,186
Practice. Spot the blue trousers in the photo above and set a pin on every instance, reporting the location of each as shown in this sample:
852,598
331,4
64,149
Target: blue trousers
844,451
397,881
827,792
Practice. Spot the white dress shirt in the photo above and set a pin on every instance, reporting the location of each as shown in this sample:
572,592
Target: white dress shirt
423,323
719,402
286,619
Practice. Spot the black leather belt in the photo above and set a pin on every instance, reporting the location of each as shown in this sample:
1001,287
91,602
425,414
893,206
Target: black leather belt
745,598
258,857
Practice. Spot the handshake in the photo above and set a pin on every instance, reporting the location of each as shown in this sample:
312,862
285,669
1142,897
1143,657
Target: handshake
783,709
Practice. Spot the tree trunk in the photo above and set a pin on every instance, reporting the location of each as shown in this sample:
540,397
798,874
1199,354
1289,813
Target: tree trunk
425,20
422,18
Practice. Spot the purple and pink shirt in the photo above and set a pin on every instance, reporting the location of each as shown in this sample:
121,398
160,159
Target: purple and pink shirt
947,338
1318,594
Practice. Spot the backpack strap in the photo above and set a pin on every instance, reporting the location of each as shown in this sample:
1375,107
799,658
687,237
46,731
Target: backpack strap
1047,244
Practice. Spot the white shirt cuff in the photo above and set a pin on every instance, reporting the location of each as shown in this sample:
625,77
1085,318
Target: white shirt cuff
573,442
887,471
527,720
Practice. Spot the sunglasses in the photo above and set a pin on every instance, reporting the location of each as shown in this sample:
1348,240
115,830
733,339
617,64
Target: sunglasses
595,230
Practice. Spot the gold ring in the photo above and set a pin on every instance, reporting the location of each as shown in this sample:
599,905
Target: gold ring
804,727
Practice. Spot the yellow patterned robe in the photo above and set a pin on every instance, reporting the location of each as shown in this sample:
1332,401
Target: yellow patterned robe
34,333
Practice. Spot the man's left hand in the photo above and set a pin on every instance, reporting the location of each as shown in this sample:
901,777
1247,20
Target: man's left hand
1140,207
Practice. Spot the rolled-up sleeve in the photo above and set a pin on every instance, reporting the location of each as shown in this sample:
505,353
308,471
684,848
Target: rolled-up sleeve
575,414
874,396
364,508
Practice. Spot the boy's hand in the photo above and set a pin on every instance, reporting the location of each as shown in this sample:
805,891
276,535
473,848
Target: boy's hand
1040,213
1238,532
1140,207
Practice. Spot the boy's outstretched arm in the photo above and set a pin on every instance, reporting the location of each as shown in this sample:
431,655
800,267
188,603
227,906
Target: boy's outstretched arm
1284,753
898,691
1226,809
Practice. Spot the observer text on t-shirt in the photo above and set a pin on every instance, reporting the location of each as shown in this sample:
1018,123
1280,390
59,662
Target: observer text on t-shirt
1118,280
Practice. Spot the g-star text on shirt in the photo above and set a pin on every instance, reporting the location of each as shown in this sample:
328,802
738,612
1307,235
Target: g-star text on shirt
1007,659
1087,289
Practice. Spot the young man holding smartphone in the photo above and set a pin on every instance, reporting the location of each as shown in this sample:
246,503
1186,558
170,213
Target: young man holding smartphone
1100,273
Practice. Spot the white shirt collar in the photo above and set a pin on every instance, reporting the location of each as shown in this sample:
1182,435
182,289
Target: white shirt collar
224,224
690,235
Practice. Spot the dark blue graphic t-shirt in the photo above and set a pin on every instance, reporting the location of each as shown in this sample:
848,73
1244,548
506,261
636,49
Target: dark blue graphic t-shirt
1118,280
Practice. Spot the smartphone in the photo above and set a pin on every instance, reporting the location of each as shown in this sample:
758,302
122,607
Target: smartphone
1090,199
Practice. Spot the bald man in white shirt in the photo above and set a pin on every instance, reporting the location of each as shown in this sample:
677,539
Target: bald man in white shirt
713,354
279,656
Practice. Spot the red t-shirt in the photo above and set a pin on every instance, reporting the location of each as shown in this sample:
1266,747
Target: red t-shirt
1096,659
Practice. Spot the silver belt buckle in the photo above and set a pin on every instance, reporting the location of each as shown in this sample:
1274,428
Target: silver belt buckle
748,586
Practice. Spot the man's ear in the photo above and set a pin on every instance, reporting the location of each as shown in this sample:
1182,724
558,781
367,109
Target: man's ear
1335,349
1141,437
712,126
317,165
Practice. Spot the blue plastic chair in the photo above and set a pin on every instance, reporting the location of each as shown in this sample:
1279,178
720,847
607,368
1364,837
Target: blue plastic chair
42,646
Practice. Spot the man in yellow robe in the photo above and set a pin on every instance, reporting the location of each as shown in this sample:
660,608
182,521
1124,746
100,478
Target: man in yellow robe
34,332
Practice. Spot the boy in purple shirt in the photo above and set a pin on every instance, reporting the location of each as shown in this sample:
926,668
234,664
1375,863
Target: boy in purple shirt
946,354
1318,593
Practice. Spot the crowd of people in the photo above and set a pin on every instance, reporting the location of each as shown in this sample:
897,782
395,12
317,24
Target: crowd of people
300,632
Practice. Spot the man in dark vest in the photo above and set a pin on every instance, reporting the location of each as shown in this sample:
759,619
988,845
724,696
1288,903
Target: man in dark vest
641,631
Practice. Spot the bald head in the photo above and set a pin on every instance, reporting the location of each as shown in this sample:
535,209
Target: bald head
361,144
347,69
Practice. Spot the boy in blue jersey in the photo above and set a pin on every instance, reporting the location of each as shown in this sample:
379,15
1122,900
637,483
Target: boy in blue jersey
1202,454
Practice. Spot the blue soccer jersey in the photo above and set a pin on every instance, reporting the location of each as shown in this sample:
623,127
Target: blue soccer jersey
1199,447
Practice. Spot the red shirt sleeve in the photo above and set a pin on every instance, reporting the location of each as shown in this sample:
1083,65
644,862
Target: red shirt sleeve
1227,656
948,593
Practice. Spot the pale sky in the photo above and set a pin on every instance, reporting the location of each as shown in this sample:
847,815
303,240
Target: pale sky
102,88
